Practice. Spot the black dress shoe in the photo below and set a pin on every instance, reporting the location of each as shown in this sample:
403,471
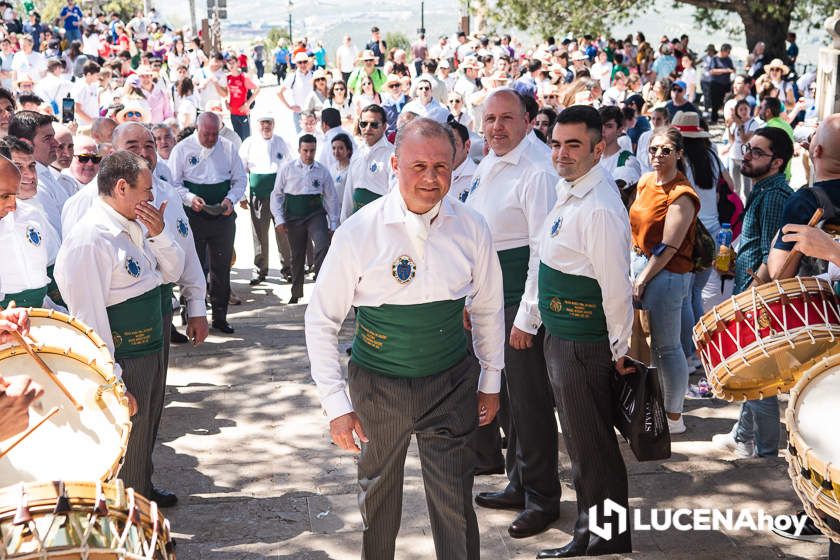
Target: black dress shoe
163,498
578,544
258,280
617,545
531,522
223,326
500,500
480,471
294,300
177,338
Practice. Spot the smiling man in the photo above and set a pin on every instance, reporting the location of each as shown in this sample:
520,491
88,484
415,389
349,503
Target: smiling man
424,256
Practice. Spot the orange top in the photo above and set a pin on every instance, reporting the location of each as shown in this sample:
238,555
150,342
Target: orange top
647,218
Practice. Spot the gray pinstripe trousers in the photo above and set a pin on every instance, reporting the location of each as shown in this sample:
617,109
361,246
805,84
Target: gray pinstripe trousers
441,410
144,378
581,376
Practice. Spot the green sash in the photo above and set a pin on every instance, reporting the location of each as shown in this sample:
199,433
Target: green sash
166,294
26,298
571,306
410,340
362,197
212,194
514,273
137,325
261,184
52,287
298,206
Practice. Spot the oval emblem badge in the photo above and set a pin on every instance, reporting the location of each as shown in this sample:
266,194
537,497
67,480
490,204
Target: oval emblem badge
183,228
403,269
33,236
555,227
133,267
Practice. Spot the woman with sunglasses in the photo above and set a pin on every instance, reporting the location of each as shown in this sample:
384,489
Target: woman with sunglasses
316,98
662,221
455,102
339,99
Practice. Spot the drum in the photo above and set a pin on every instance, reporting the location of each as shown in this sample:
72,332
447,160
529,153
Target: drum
756,344
81,520
86,444
813,446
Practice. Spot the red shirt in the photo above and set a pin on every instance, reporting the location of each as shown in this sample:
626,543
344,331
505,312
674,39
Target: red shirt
238,93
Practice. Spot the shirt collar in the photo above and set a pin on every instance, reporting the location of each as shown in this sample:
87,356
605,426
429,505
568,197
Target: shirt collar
466,165
396,212
581,186
113,221
515,154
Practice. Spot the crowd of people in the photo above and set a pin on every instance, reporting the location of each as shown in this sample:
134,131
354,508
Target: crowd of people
530,213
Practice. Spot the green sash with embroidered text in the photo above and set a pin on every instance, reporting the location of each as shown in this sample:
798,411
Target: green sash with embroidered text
410,340
137,325
571,306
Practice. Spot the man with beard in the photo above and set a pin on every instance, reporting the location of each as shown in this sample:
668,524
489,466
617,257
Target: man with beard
765,156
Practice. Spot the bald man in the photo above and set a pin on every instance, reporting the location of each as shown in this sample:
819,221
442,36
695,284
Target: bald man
102,129
64,152
86,159
824,150
208,174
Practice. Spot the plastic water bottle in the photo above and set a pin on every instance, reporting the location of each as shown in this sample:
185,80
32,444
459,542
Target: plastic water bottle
724,249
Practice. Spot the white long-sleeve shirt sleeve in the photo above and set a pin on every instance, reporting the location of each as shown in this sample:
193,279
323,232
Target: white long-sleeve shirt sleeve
347,202
331,302
487,314
238,178
275,203
331,203
176,166
169,256
538,200
607,240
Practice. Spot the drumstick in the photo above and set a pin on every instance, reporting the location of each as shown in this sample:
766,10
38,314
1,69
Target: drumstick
756,279
815,219
46,368
53,411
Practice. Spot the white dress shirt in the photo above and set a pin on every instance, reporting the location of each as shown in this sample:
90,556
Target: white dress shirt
190,161
433,110
297,178
514,193
458,262
92,265
51,195
263,156
24,241
592,240
370,169
324,154
52,237
462,179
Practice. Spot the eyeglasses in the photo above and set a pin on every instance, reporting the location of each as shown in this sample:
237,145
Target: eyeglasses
423,88
374,125
84,158
134,115
753,152
664,150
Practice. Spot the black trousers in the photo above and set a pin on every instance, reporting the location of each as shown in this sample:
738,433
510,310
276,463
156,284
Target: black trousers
581,375
313,227
214,237
718,92
441,411
833,551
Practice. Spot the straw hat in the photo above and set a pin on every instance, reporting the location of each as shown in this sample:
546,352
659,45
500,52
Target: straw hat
265,117
320,74
578,55
777,63
391,79
470,62
130,112
300,57
367,54
688,123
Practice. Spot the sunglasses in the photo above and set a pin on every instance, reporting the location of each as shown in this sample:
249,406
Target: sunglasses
84,158
664,150
423,88
374,125
454,101
676,89
393,86
134,115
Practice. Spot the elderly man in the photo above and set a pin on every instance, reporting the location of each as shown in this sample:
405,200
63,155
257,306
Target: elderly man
165,141
513,189
86,159
299,85
262,156
64,151
423,257
102,129
210,177
110,272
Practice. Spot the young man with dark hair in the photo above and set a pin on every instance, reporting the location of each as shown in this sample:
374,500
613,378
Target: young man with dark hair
305,206
463,168
621,164
585,304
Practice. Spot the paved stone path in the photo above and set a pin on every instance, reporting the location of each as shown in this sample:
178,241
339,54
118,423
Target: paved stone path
245,445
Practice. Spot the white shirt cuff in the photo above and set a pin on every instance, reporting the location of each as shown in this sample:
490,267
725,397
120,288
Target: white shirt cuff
527,321
619,349
336,404
490,381
196,308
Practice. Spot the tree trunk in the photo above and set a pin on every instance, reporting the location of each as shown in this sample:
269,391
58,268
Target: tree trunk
772,29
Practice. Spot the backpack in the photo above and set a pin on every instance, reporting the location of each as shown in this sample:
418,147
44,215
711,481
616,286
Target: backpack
730,207
703,253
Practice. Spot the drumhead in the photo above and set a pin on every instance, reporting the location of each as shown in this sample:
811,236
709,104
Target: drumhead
86,445
817,415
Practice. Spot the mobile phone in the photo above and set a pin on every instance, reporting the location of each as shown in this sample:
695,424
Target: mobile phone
68,110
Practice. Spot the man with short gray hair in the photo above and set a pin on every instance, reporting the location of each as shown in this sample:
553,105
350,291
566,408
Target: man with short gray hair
425,257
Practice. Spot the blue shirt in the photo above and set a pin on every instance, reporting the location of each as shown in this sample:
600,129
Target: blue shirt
802,204
320,57
75,14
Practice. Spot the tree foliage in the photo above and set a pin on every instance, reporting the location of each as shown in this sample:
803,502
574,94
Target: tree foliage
49,9
275,34
397,40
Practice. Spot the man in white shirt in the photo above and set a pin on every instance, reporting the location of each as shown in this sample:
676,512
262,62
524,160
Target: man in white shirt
368,177
262,155
425,105
28,61
345,58
86,95
423,257
210,81
54,86
585,304
86,160
298,85
464,166
513,189
305,206
208,173
110,270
